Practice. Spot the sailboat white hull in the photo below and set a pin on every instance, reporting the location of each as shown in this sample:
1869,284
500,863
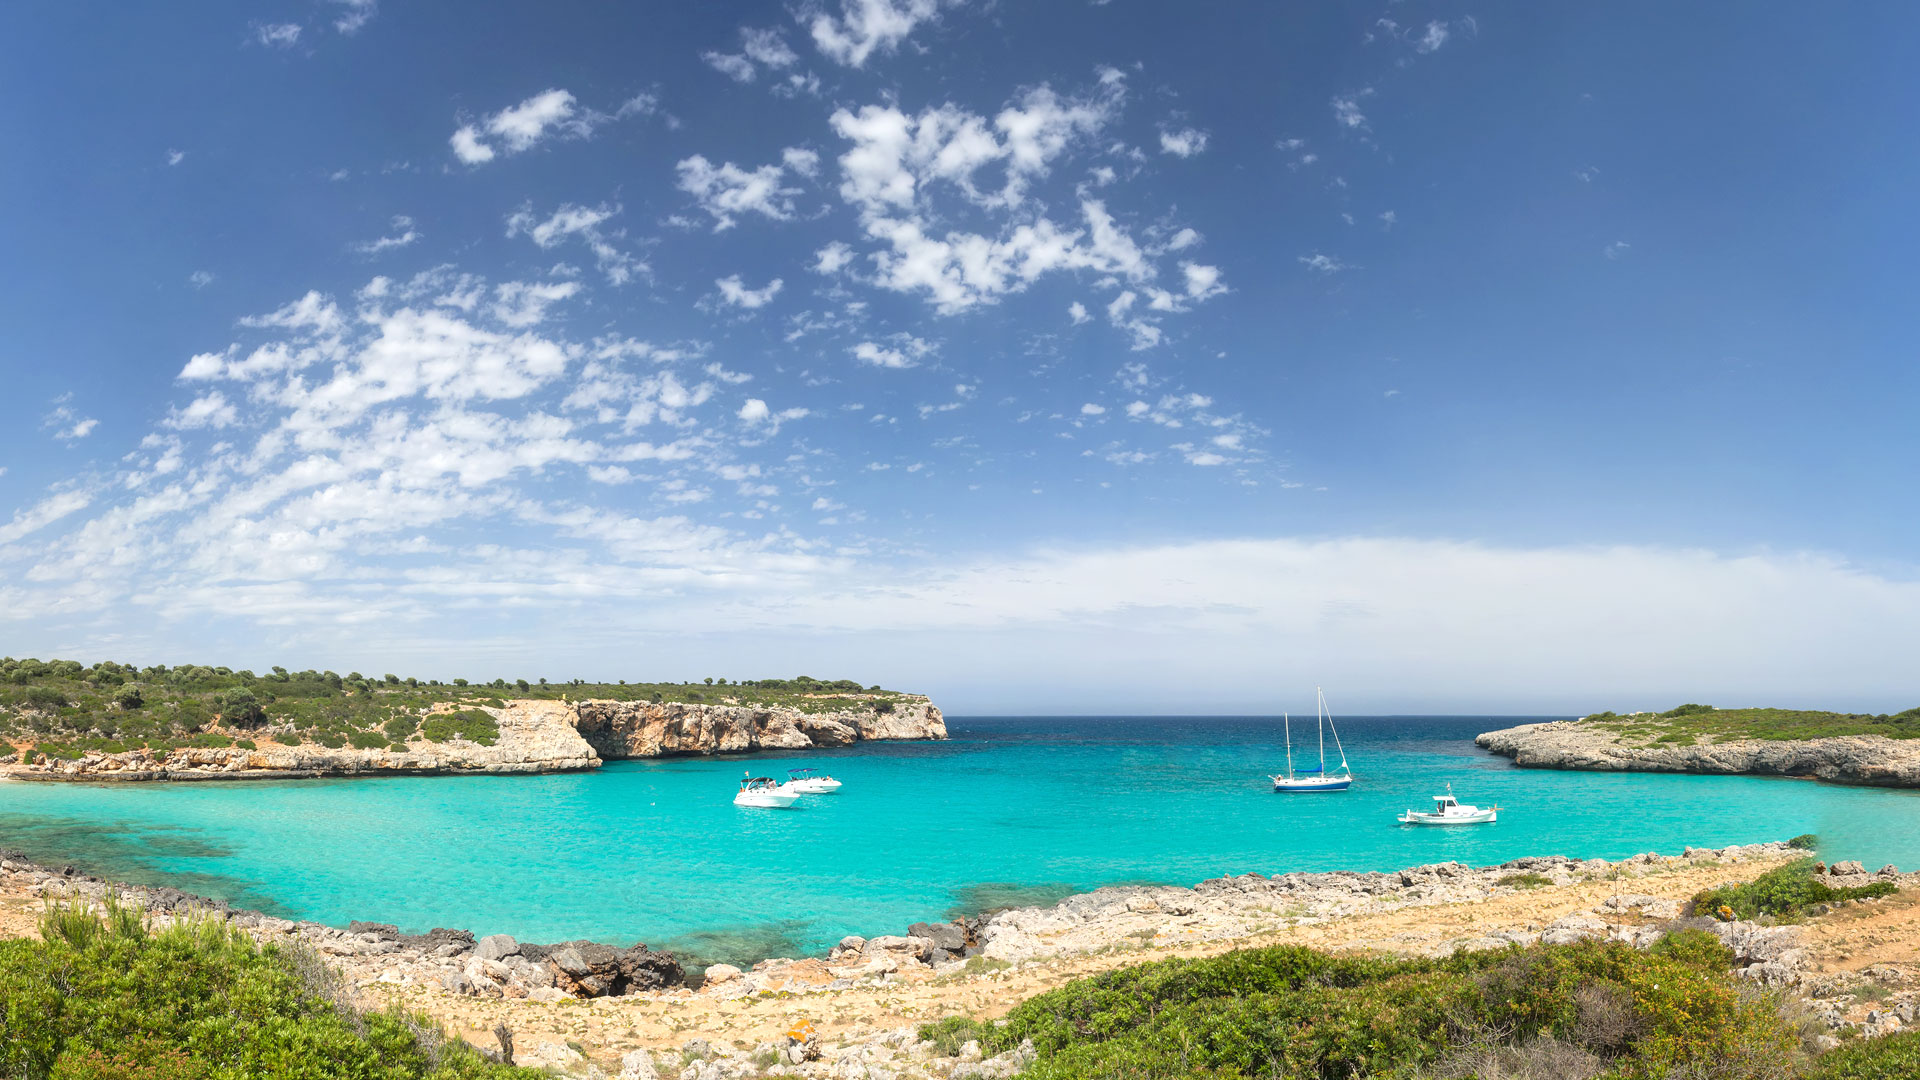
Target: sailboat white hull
1302,783
1477,817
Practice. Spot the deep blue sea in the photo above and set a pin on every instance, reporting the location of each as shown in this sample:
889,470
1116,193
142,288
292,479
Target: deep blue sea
1010,809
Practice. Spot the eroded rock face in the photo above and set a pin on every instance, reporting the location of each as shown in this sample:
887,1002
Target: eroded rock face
636,729
535,737
1852,759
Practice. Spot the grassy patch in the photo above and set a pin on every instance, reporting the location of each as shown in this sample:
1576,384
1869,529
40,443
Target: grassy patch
1525,881
1688,723
1896,1057
1784,893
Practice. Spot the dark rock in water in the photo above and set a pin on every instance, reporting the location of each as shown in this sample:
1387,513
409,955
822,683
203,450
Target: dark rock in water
433,940
948,937
590,969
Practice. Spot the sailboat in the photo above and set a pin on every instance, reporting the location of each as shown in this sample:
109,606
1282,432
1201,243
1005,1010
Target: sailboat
1316,778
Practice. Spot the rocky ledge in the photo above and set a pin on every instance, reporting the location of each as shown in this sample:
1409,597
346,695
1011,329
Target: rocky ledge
535,736
1575,744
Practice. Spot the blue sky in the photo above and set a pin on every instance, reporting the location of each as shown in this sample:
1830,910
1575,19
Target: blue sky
1066,356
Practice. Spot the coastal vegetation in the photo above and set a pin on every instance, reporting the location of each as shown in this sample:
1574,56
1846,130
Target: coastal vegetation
102,996
1693,723
1785,893
62,709
1574,1012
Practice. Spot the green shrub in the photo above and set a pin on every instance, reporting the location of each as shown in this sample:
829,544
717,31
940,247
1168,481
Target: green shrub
1289,1011
1525,881
1784,892
367,740
287,738
1698,949
1895,1057
332,740
399,727
1805,842
101,996
474,725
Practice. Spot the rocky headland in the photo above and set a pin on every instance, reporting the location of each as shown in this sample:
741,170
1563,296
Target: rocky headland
579,1007
534,736
1582,745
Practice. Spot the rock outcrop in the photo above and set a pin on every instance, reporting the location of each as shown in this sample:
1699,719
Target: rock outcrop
535,736
1572,744
638,729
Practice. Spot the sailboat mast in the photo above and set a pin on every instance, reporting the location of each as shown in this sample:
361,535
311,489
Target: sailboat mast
1286,723
1319,710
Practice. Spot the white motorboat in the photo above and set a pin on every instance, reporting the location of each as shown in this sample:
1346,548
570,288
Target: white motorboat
1316,778
1448,810
810,782
764,791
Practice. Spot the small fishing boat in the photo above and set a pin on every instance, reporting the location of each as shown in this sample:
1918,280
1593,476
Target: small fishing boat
810,782
764,791
1448,810
1316,778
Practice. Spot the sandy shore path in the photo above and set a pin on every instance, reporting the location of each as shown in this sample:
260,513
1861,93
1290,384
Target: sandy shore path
602,1030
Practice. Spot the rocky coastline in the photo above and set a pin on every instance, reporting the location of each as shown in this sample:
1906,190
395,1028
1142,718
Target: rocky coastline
978,959
535,736
1873,760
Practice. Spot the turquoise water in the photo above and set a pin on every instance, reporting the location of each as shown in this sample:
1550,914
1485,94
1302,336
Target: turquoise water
1010,809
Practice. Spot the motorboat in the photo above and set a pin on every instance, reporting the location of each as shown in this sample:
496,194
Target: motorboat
1448,810
810,782
764,791
1315,778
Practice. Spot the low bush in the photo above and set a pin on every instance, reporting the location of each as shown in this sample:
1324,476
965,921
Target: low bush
1288,1011
1524,881
1784,893
101,996
474,725
1895,1057
368,740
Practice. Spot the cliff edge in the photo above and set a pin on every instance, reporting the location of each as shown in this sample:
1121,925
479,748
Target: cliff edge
532,736
1847,759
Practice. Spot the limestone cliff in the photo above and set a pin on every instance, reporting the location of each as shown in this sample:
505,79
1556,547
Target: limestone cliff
534,736
634,729
1853,759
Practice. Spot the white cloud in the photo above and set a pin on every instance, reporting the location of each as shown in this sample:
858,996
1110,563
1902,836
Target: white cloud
1325,264
1435,37
1077,311
1346,109
732,65
277,35
200,279
1091,409
1183,240
833,258
1388,219
521,127
403,234
1183,143
32,519
735,293
1617,249
804,162
175,157
521,304
67,425
210,410
767,47
908,353
584,222
1203,282
357,15
864,27
727,191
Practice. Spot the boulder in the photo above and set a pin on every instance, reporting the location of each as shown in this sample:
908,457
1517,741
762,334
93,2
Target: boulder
590,969
947,937
638,1065
1850,866
721,973
496,947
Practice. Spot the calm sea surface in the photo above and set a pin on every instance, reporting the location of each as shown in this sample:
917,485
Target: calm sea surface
1009,810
